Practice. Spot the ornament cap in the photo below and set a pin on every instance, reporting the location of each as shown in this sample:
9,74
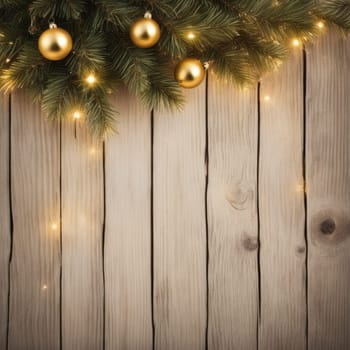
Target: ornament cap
148,15
52,25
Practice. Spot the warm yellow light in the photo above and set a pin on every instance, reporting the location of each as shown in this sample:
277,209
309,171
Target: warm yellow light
8,60
296,42
44,287
320,24
301,187
191,35
54,226
267,98
91,79
77,115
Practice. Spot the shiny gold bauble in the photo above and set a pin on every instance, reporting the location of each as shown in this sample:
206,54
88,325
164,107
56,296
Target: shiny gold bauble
55,43
145,32
189,73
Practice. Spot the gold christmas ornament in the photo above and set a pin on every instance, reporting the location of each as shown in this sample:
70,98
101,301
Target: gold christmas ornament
145,32
55,43
189,73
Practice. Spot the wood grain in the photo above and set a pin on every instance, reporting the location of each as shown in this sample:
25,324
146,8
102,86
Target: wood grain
35,266
328,192
282,212
232,217
101,255
128,229
5,216
180,226
82,235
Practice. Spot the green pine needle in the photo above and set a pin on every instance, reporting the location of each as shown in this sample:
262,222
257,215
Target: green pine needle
242,39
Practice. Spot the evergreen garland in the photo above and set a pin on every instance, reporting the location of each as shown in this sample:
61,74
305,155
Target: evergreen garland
241,39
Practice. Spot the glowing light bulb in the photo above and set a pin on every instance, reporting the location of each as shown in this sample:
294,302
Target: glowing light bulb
91,79
54,226
296,42
267,98
7,60
77,115
191,35
44,287
320,24
301,187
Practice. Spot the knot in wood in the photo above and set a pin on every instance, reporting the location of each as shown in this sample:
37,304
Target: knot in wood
250,243
300,249
328,226
239,196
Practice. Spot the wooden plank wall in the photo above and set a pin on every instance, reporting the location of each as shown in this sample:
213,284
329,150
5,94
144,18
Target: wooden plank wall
5,217
82,238
281,208
127,246
224,226
232,217
179,186
328,179
34,300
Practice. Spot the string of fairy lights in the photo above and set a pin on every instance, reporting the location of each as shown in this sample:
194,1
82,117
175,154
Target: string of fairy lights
56,44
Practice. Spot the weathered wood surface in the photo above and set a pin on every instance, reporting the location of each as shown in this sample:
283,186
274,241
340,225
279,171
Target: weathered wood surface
128,229
328,192
232,217
281,206
180,226
34,321
5,217
149,239
82,239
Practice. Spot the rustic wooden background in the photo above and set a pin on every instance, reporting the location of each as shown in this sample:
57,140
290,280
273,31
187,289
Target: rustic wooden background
188,231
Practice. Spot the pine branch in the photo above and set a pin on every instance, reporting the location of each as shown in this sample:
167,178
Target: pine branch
61,96
336,12
241,38
90,54
100,115
133,65
119,14
64,9
28,70
163,92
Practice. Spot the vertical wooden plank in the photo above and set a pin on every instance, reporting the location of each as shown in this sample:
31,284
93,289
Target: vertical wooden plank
180,226
82,234
5,220
328,192
281,208
232,214
35,266
128,229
